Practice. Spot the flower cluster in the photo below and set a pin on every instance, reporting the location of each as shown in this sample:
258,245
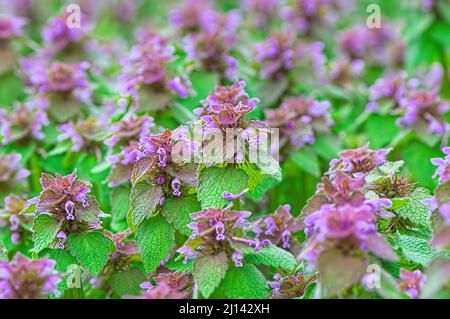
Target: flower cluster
120,260
24,122
65,199
220,230
123,145
411,282
12,215
23,278
278,227
11,172
299,119
172,285
10,28
291,286
263,11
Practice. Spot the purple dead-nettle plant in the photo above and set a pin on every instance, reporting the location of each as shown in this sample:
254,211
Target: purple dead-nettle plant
86,135
11,172
23,123
278,228
423,109
10,30
170,285
23,278
122,258
59,37
360,160
232,94
308,16
220,231
345,72
66,200
387,92
299,120
375,46
12,216
145,76
290,286
263,12
210,50
60,85
411,282
123,145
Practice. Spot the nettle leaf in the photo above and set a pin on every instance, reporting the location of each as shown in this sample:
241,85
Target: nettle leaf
120,203
214,181
307,159
62,258
209,271
177,211
155,238
265,185
178,265
415,249
388,169
255,177
127,282
45,228
414,210
144,199
273,256
91,249
338,272
245,282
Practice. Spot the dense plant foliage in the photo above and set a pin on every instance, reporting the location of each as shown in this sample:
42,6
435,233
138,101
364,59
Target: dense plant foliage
117,179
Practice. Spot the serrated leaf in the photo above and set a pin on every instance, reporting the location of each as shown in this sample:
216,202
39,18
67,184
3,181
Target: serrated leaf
254,174
120,203
45,228
177,211
265,185
179,266
209,271
62,258
91,249
245,282
273,256
155,238
388,169
214,181
144,199
415,249
414,210
338,272
127,282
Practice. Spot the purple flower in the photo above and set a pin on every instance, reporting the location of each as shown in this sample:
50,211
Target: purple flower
332,225
220,230
277,227
10,28
299,119
262,11
181,86
211,51
23,122
443,166
57,79
172,285
390,87
275,55
87,134
23,278
292,286
346,72
11,215
11,172
411,282
57,34
360,160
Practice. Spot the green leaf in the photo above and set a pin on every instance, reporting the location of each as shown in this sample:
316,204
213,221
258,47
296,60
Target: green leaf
254,174
155,238
273,256
265,185
307,159
338,271
178,265
45,228
378,123
327,146
127,282
214,181
91,249
3,252
388,169
245,282
120,203
177,211
209,271
144,200
415,249
63,258
414,210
